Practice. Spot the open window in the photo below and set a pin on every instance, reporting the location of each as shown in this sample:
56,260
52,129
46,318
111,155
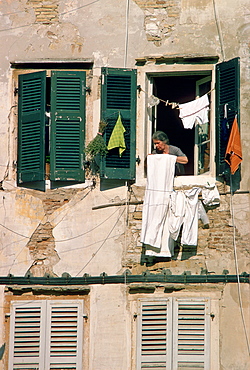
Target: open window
204,144
183,88
51,124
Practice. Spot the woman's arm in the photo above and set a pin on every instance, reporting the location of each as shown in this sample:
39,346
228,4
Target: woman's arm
182,159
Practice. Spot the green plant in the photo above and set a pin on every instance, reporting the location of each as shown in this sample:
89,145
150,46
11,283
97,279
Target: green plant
97,145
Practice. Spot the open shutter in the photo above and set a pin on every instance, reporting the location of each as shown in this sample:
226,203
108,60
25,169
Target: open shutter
154,341
227,104
65,326
26,331
191,334
67,125
119,96
31,126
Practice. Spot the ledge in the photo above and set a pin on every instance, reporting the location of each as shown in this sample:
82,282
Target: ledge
147,277
45,289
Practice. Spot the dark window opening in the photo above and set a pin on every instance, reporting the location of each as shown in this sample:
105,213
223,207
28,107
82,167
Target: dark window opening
181,89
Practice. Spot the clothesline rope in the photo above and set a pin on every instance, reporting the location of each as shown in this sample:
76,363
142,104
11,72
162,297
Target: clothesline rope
174,105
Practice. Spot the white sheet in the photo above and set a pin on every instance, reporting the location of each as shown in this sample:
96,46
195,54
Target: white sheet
155,232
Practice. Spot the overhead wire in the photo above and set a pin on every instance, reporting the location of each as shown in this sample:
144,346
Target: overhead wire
237,268
33,23
95,253
217,21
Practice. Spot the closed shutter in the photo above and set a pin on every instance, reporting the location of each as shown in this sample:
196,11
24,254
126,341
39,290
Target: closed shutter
26,336
190,334
31,127
65,335
227,99
154,330
119,96
67,125
46,335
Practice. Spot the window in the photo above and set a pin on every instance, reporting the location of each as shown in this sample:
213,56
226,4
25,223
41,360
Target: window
119,96
174,334
204,144
46,335
51,124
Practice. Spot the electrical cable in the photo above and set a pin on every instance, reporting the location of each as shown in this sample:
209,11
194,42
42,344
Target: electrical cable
94,254
126,35
237,267
33,23
219,31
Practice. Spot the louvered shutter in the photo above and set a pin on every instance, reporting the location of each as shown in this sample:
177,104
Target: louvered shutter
119,96
31,127
65,328
26,331
154,328
190,334
46,335
67,125
227,99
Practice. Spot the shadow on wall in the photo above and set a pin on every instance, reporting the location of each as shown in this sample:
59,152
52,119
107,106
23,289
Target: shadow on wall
181,253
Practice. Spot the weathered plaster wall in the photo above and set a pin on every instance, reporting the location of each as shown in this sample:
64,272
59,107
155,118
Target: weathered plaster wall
58,231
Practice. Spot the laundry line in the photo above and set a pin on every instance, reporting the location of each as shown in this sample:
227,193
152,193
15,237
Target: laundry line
175,105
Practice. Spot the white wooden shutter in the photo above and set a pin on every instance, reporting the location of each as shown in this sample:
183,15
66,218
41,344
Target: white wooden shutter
154,340
64,328
26,331
191,334
46,335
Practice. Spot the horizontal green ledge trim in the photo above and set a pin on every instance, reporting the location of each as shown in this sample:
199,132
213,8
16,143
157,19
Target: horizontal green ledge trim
124,279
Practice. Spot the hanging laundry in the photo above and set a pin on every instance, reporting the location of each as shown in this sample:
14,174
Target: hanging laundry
176,213
155,232
117,137
202,215
194,110
153,101
234,152
210,195
190,223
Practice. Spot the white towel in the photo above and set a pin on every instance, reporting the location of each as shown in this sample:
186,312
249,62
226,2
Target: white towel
160,178
194,110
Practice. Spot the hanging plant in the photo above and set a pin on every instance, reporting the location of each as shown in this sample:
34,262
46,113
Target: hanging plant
97,146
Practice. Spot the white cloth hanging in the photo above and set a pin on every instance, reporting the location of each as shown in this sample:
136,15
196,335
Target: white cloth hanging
155,231
210,195
176,213
194,110
190,223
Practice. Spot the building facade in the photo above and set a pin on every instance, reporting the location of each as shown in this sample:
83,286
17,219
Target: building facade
78,291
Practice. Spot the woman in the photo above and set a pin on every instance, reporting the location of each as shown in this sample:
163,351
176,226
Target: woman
162,146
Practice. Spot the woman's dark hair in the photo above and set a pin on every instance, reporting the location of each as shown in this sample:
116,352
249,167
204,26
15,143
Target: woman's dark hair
160,135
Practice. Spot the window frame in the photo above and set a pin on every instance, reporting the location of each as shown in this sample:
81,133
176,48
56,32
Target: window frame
165,70
170,67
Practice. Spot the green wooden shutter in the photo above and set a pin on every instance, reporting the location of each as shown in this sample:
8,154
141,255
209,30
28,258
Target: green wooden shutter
191,334
31,127
67,125
227,95
119,95
154,340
